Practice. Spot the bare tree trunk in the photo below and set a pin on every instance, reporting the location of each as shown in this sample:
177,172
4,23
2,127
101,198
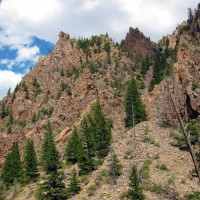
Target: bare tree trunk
185,133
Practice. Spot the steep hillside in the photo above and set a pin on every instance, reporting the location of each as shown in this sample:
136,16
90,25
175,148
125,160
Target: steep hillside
62,87
184,82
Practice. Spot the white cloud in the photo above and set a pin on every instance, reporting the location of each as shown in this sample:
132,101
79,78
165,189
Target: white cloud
28,53
45,18
8,79
89,5
23,46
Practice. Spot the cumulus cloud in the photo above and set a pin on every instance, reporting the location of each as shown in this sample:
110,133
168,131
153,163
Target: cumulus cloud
45,18
22,19
22,44
8,79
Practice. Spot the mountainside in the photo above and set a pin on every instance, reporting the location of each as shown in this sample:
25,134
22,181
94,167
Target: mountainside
59,92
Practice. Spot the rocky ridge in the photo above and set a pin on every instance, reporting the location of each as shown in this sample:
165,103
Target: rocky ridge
103,74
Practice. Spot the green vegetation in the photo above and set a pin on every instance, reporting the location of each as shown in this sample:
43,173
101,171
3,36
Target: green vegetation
157,188
145,64
135,191
74,147
115,168
93,68
128,154
66,88
193,128
37,87
161,66
74,186
62,73
12,169
4,111
162,167
134,108
25,87
194,85
145,171
195,195
30,161
50,157
52,187
91,190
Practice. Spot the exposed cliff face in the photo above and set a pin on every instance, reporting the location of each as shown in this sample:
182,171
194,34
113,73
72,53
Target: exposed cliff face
185,80
68,96
63,86
136,43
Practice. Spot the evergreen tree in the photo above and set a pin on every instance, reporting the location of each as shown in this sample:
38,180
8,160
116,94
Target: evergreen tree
9,129
85,161
145,64
10,116
53,187
103,135
88,135
12,169
135,191
13,97
2,191
30,161
115,168
8,93
74,186
134,108
3,111
49,153
73,147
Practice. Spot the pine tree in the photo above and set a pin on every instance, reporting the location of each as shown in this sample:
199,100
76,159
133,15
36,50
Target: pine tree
30,161
103,135
50,156
10,116
74,186
12,169
2,191
85,161
115,168
73,147
134,108
9,93
135,191
53,188
88,135
3,111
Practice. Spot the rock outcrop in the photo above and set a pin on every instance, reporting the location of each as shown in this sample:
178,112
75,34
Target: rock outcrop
136,43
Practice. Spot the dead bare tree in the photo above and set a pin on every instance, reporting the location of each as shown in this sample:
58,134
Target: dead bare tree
186,135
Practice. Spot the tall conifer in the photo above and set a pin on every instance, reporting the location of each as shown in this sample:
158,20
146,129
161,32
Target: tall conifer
135,191
30,161
73,147
103,135
134,108
12,169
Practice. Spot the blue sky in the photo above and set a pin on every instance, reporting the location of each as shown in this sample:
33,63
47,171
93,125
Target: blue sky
29,27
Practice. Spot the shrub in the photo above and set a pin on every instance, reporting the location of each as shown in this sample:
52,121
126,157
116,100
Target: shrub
145,171
195,195
162,167
91,190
